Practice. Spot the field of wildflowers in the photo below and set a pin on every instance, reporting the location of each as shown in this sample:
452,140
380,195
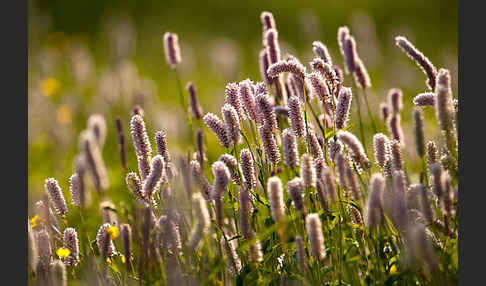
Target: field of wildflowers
298,175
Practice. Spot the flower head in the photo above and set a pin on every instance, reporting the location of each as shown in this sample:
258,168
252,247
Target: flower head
113,232
63,253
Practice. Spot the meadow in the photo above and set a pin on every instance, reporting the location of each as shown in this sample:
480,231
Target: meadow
302,172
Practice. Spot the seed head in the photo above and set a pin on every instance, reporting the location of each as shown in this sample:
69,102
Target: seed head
342,107
94,160
357,150
396,155
275,196
264,64
44,249
97,124
425,204
233,262
140,137
58,272
419,58
75,188
361,76
46,214
300,251
424,99
266,112
143,166
324,69
256,254
296,117
247,97
232,122
172,49
321,195
244,200
221,178
71,242
269,145
443,106
308,170
395,100
315,147
203,221
289,146
354,215
385,111
350,55
161,143
268,21
247,169
432,153
421,248
233,98
329,185
295,187
232,165
418,125
135,185
436,172
200,179
56,196
335,147
153,180
320,50
105,244
352,184
290,66
126,234
399,205
32,251
273,48
343,32
314,231
374,210
395,128
319,86
196,108
381,145
319,164
219,129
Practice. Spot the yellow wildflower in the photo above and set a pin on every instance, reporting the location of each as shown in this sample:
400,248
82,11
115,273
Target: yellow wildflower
50,86
33,221
124,260
64,114
113,231
108,260
63,252
393,269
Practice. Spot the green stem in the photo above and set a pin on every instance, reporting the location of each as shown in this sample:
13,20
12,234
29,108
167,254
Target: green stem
361,130
183,102
369,111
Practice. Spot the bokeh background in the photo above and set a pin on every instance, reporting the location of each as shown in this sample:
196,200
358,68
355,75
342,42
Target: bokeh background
87,57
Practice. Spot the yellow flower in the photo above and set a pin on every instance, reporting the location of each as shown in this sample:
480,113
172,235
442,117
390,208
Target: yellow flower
108,260
393,269
113,231
50,86
124,260
63,252
64,114
33,221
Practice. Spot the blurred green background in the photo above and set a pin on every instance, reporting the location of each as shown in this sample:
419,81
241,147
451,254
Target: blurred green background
103,57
